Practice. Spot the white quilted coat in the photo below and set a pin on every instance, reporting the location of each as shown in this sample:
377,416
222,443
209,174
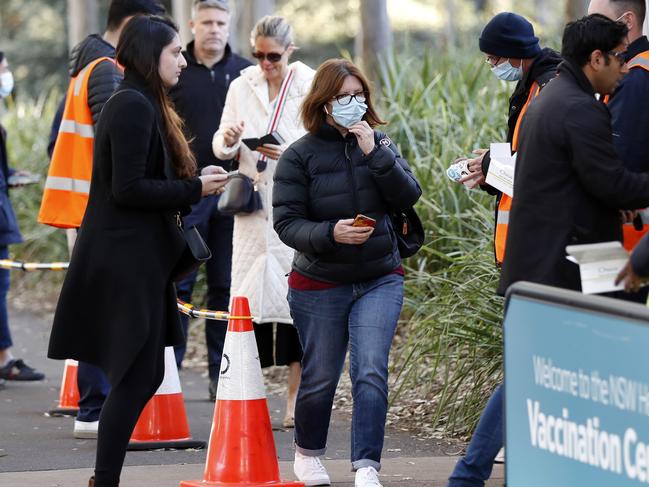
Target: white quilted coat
260,261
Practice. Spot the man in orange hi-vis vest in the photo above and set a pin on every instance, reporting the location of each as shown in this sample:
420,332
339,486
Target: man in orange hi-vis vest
629,115
94,77
513,53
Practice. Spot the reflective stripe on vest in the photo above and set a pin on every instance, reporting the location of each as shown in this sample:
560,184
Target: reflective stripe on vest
631,236
68,180
505,203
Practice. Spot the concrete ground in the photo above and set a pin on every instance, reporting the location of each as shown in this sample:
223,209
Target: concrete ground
40,450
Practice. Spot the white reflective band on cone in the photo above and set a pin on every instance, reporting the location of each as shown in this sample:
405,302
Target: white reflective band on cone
171,382
240,378
71,363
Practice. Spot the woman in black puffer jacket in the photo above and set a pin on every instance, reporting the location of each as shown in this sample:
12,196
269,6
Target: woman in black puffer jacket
346,286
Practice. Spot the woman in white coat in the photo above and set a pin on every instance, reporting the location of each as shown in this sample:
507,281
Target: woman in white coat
260,261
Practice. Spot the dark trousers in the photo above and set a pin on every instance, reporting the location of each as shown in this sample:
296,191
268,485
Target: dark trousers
5,334
93,389
474,468
216,230
122,409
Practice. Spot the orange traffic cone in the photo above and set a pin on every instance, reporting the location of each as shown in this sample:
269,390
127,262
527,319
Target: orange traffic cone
69,395
163,421
241,451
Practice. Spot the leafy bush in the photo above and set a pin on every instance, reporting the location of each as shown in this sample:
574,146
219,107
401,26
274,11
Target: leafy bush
441,108
28,122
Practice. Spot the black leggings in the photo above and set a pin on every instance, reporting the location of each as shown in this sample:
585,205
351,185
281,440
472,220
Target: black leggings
122,409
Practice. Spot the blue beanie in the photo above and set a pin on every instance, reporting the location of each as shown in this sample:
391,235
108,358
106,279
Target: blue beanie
509,35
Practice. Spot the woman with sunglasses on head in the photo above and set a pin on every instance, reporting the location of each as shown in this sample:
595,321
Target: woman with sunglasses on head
334,190
265,99
117,307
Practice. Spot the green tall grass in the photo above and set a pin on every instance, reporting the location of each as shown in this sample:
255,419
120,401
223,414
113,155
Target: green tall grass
27,122
441,108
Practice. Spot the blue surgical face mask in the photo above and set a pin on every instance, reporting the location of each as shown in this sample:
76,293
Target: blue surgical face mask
348,115
6,84
506,72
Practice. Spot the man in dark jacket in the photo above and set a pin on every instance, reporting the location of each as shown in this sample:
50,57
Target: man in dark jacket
104,79
514,54
199,97
570,183
507,40
629,116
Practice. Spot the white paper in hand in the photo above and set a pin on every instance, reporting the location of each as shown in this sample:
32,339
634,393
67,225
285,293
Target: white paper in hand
501,168
599,264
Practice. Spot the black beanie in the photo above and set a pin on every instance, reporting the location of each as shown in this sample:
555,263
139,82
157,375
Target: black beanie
509,35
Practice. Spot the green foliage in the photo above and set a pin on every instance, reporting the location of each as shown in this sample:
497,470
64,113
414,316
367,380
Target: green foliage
28,122
440,108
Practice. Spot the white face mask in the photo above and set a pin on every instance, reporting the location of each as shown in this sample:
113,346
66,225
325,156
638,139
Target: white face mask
506,72
6,84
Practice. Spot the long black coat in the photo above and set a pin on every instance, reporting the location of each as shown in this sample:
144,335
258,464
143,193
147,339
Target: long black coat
569,183
118,289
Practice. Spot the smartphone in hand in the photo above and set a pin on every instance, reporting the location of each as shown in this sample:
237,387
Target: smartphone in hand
363,221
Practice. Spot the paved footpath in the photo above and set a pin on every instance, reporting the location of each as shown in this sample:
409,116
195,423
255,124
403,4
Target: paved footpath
39,451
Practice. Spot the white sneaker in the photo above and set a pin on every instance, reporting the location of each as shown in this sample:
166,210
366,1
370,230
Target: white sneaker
367,477
85,429
500,458
310,471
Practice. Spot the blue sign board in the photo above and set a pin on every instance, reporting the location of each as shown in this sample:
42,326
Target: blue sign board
576,390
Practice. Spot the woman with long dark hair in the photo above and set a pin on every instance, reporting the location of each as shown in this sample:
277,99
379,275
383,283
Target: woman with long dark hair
117,308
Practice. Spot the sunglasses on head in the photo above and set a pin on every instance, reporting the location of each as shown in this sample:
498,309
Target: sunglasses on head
272,57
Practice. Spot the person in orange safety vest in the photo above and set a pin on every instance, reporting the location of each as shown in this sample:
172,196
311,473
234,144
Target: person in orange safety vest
629,115
513,53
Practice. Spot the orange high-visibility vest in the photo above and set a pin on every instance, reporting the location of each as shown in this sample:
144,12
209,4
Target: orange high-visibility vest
505,203
68,179
631,235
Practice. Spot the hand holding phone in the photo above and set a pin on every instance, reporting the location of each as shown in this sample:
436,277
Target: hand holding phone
363,221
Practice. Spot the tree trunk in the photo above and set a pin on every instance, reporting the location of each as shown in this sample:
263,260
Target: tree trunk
374,38
83,20
181,10
245,14
576,9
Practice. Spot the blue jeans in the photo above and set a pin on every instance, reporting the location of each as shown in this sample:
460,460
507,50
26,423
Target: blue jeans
216,230
93,389
5,334
475,467
362,316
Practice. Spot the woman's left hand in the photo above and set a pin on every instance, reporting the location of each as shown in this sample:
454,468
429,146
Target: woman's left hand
271,151
212,170
364,135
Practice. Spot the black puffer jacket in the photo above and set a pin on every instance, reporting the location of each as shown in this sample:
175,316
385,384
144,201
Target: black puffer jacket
104,78
323,178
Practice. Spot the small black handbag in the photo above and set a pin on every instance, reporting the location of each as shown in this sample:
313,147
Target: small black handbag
195,253
409,231
240,196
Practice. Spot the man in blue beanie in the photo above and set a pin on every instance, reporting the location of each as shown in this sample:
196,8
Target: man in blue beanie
514,54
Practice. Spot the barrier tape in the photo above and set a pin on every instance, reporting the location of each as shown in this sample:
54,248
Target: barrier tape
32,266
183,307
188,309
